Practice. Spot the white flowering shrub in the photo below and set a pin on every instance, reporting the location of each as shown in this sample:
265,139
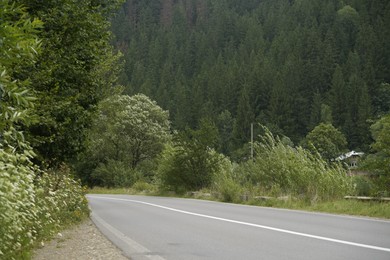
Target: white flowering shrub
34,205
60,200
127,134
18,211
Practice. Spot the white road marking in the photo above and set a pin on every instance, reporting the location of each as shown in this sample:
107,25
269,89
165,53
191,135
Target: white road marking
252,225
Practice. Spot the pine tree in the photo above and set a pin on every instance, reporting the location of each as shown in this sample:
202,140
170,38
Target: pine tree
338,94
244,119
225,124
316,109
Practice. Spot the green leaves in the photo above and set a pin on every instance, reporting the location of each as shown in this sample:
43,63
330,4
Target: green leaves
190,163
127,131
18,39
76,69
379,162
268,62
31,202
293,171
326,140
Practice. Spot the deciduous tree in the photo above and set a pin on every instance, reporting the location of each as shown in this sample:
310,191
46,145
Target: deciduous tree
327,140
128,130
75,70
379,162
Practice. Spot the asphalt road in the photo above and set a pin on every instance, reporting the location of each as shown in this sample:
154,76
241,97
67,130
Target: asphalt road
171,228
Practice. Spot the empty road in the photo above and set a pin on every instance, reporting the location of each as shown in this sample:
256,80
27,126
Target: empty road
171,228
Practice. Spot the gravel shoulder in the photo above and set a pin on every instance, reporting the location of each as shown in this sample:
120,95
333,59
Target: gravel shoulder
81,242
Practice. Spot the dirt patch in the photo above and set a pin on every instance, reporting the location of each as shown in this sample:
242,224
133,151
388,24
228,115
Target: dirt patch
82,242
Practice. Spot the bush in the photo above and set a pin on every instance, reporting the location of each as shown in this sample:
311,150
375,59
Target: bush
18,211
190,163
142,186
35,205
169,172
227,188
363,186
378,163
114,174
295,171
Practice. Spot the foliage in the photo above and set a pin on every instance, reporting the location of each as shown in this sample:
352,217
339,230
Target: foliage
226,184
17,203
363,186
283,169
378,163
17,195
32,203
19,45
113,174
142,186
225,125
74,71
129,132
328,141
382,100
61,201
190,163
289,64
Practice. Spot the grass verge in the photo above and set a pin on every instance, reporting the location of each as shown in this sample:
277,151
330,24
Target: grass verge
372,209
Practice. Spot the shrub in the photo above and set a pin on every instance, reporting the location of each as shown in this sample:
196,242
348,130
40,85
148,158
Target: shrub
169,172
378,163
225,182
18,211
363,186
142,186
35,205
190,163
114,174
295,171
60,200
228,190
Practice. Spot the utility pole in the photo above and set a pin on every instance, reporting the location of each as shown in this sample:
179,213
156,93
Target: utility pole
252,141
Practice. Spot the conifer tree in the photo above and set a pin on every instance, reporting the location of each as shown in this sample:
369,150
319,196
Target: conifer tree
244,119
338,97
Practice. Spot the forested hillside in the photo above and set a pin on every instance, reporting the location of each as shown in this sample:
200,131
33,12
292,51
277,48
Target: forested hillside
286,64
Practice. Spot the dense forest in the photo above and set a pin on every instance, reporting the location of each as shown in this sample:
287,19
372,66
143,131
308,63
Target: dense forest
289,65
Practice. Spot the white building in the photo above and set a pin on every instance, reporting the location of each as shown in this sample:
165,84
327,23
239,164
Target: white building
352,158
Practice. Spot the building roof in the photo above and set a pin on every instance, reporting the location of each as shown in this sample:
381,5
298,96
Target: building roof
349,154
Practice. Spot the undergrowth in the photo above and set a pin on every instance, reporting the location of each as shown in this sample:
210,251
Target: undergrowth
50,203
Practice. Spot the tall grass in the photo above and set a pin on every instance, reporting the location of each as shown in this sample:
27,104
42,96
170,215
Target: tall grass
279,169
